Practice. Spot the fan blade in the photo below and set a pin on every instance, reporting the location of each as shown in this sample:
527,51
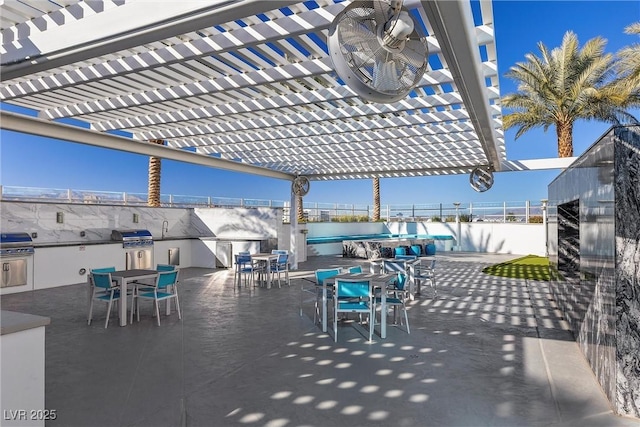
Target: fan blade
354,33
385,76
415,53
382,11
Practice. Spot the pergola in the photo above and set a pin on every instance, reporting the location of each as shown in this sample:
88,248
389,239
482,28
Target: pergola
247,85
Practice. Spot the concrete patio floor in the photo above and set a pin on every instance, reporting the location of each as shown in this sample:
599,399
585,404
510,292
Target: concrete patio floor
488,351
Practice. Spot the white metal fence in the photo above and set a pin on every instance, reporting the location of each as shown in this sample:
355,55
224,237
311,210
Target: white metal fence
519,211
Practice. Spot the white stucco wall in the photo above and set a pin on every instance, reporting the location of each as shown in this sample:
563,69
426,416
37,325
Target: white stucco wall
502,238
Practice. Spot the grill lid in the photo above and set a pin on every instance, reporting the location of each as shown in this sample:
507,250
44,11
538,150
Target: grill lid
14,244
122,235
15,240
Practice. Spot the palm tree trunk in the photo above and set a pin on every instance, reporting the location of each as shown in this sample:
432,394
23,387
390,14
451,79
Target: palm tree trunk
376,199
565,138
155,166
299,209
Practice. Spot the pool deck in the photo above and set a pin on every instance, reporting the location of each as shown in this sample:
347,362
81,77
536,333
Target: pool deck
489,351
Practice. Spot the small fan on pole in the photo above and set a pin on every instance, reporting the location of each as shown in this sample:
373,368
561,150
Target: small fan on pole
481,178
377,51
300,186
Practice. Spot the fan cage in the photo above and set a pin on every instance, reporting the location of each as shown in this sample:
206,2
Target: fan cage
361,60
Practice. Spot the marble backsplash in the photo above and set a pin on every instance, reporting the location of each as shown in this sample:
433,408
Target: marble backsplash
594,253
86,223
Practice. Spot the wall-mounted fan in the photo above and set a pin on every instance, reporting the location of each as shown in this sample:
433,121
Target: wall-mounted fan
377,51
300,186
481,178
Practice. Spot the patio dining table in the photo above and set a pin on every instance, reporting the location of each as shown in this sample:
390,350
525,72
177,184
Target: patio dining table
265,259
123,277
377,280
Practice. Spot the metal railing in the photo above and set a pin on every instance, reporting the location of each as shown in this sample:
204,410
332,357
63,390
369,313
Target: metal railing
518,212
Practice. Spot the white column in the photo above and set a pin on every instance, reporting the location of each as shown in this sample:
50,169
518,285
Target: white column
458,246
294,232
544,224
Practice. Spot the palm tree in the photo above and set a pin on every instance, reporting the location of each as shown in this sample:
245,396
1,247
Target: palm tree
564,85
299,208
629,57
155,166
376,199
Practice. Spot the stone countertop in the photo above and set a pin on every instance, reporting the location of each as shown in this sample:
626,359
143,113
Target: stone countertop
99,242
12,322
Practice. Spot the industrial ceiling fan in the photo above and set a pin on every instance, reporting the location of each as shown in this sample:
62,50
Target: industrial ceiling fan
300,185
377,51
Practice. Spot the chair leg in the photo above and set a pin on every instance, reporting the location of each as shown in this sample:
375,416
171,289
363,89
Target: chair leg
335,326
178,306
316,314
406,319
106,322
90,315
157,306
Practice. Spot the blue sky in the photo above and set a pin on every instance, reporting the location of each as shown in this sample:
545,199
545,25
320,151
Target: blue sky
519,25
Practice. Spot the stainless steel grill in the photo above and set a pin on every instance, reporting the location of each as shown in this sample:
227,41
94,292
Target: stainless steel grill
16,251
16,244
132,239
138,245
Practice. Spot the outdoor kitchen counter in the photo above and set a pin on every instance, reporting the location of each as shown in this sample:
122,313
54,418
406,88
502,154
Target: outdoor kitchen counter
12,322
22,357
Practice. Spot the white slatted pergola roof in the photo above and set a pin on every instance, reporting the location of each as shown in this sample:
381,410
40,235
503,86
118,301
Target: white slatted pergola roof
248,85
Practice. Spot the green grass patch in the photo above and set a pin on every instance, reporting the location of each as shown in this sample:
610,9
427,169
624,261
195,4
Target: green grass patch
530,267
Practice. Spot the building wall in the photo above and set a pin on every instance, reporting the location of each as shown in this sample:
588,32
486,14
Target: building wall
594,251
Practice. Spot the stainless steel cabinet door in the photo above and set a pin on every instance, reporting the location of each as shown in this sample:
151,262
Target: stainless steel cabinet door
139,258
14,272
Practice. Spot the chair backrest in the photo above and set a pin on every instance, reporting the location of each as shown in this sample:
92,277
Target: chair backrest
355,269
283,258
353,288
165,267
242,258
101,280
103,270
409,257
279,251
393,265
167,278
401,281
325,273
415,250
400,251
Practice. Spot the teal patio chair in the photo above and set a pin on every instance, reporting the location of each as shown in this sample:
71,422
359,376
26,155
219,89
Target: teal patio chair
281,265
397,296
103,289
352,296
355,269
426,273
243,268
165,289
320,276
